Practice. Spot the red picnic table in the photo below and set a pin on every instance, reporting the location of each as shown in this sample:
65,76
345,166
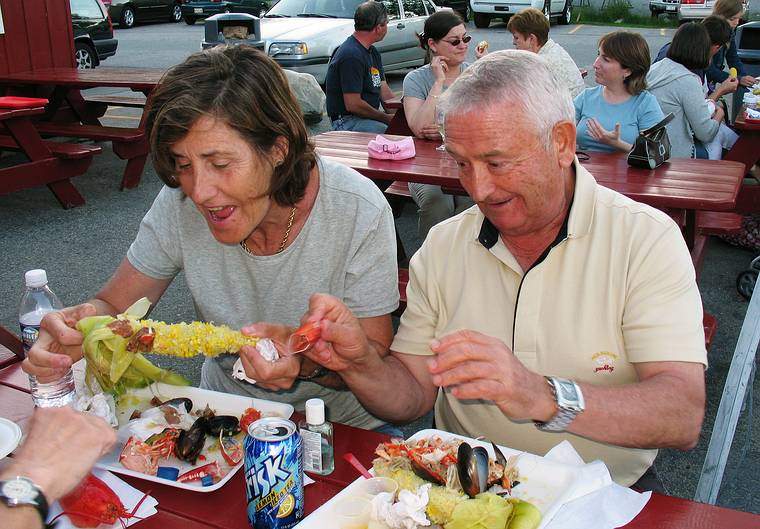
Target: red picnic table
49,162
747,151
679,184
70,114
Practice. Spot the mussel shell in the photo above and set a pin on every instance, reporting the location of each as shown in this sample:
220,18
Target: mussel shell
472,469
225,424
190,442
179,402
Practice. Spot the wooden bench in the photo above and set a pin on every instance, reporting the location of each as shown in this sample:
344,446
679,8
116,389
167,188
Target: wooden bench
128,144
709,322
116,100
69,151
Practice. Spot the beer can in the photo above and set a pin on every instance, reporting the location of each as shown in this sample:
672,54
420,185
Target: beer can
273,474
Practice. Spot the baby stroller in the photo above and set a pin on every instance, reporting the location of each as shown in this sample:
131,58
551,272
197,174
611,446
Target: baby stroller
745,281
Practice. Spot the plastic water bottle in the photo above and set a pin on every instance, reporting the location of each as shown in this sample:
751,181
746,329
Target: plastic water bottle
37,301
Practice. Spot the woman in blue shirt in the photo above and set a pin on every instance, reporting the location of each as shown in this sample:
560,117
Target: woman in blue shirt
610,116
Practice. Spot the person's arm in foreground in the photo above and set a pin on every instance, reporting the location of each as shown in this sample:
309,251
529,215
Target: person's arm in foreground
60,344
372,374
59,451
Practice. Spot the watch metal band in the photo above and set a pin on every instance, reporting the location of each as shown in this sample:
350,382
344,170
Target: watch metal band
319,372
566,412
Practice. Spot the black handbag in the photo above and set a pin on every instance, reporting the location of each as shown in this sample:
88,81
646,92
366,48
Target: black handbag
652,146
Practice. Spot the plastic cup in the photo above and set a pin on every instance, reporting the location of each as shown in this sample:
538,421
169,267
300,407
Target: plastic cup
369,488
353,512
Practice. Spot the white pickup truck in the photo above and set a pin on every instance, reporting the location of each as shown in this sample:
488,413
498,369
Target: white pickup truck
485,10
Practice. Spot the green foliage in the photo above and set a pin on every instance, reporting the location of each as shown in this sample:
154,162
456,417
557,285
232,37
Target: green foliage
618,12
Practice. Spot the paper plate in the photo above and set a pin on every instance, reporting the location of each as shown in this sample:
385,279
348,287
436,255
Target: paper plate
10,435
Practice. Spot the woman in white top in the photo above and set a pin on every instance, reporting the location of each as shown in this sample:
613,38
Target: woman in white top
445,38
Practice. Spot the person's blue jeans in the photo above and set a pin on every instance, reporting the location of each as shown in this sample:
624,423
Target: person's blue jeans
390,429
359,124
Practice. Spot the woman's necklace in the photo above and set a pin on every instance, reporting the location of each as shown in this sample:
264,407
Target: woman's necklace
292,217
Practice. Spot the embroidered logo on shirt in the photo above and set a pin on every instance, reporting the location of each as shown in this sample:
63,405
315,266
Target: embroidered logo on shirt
375,73
605,361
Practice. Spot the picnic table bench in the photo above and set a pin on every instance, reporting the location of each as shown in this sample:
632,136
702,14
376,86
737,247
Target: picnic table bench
50,162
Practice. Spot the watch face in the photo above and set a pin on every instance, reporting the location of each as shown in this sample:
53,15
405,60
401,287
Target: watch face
567,390
19,489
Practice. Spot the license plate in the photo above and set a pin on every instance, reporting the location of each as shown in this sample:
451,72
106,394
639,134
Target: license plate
197,10
501,8
671,8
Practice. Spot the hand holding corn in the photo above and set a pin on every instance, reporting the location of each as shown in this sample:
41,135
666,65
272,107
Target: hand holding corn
113,347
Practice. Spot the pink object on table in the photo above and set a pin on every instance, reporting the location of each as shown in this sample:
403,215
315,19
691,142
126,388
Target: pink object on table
22,102
351,458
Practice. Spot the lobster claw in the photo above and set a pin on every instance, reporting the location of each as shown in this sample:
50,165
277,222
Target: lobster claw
304,337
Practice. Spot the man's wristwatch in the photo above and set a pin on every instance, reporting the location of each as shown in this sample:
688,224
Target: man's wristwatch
318,372
21,491
569,399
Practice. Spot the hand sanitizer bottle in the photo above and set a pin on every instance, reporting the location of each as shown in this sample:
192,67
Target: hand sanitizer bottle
317,436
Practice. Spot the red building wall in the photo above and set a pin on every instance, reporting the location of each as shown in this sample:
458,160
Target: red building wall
38,34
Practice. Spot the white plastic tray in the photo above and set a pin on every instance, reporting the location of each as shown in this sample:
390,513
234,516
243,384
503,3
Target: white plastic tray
10,435
544,483
222,403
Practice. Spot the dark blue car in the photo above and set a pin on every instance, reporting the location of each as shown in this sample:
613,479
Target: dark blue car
196,9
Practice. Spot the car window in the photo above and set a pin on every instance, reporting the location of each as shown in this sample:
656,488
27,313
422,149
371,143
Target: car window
429,7
394,13
413,8
85,9
330,8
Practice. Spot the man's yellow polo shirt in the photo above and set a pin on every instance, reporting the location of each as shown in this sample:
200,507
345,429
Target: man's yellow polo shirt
617,289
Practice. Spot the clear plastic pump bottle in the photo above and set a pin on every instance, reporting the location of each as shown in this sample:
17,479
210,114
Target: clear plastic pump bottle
37,301
317,436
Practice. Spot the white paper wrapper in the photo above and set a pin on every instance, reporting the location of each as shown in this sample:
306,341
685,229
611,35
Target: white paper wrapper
266,349
128,495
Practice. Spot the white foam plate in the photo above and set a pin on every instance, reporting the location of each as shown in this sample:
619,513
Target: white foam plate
10,435
222,403
544,483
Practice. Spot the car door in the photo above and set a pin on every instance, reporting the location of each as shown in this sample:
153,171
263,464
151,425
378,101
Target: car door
415,14
392,46
87,19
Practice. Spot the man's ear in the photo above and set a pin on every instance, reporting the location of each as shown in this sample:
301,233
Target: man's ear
563,136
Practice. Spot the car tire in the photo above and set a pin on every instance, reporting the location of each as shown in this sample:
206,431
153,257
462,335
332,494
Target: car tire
127,18
176,13
189,20
482,20
567,13
547,11
84,56
465,13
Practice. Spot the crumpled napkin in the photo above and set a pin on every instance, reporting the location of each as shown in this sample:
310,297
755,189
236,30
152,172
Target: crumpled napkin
128,495
752,114
266,349
597,502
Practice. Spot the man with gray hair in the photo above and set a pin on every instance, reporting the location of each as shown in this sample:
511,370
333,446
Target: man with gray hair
556,309
355,84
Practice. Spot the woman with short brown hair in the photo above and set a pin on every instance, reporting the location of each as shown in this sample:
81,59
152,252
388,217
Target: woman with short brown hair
610,116
732,11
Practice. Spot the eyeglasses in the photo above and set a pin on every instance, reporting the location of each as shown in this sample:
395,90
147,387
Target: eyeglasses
456,42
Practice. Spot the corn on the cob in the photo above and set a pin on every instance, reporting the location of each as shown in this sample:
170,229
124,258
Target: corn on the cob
113,347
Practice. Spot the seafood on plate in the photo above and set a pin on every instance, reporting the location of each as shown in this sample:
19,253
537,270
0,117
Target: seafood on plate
461,482
114,347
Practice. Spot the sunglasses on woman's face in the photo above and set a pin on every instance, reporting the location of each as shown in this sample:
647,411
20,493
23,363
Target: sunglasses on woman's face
455,42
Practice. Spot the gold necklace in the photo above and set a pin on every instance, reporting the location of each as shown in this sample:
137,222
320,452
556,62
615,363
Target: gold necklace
292,217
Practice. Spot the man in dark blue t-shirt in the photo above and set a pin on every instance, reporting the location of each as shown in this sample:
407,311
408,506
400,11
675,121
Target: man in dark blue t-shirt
355,82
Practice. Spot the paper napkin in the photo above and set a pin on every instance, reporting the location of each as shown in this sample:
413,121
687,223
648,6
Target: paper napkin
129,497
596,501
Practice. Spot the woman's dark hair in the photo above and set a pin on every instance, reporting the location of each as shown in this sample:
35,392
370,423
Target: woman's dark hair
718,28
632,52
247,90
438,26
691,46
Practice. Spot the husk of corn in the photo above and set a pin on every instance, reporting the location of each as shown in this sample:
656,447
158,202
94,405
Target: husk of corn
115,369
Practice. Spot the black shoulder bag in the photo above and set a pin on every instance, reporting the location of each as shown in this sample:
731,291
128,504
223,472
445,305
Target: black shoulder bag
652,146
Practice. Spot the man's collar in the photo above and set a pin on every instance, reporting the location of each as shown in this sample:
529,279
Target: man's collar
577,221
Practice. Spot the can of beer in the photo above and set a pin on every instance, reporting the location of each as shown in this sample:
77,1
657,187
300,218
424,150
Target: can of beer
273,474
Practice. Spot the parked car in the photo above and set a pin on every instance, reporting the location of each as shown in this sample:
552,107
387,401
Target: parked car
669,7
460,6
129,12
302,35
93,33
699,9
485,10
192,10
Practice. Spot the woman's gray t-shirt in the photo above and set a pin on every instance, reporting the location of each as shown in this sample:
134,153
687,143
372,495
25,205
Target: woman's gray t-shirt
346,248
418,83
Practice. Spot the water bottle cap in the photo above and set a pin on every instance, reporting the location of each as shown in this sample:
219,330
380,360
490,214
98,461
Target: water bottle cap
315,411
36,278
